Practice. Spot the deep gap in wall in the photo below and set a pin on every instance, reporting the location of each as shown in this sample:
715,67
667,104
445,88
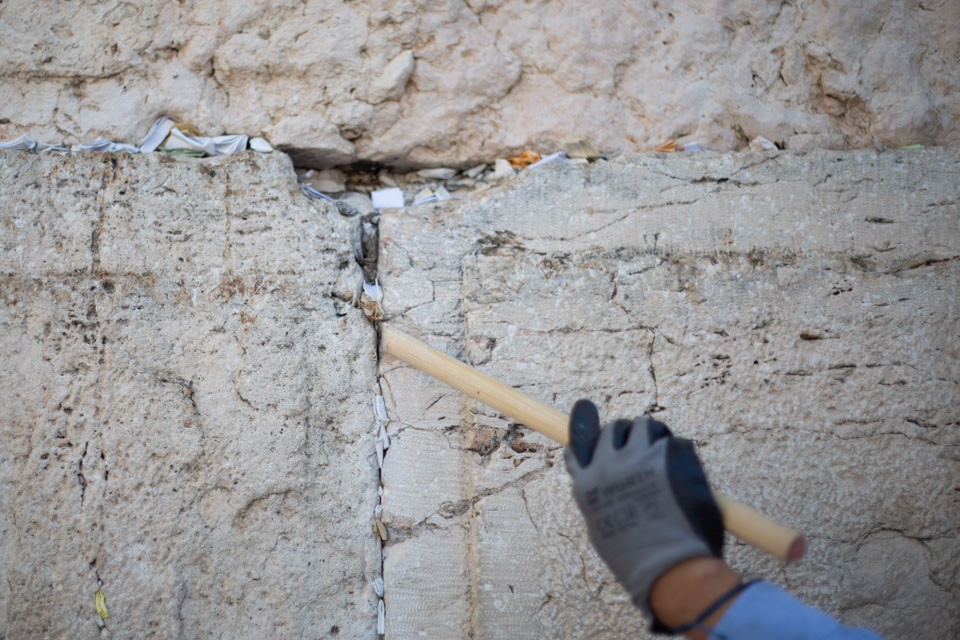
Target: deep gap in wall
368,259
367,177
369,246
443,182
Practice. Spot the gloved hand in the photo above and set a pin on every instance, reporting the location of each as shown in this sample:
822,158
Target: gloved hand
644,496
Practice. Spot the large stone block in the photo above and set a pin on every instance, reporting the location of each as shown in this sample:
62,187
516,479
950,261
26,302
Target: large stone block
186,415
412,82
794,314
186,419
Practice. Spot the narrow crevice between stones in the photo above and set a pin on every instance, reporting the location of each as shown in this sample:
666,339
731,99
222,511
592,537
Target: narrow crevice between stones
366,253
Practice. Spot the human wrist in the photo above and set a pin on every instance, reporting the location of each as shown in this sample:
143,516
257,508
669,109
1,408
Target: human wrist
685,590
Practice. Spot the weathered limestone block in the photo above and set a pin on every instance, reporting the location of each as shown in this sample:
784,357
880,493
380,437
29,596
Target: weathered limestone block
795,314
412,82
185,413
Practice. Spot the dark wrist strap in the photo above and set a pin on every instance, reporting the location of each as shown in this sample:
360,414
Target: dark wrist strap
719,602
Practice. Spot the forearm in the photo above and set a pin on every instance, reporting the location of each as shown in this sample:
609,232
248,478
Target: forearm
761,611
685,591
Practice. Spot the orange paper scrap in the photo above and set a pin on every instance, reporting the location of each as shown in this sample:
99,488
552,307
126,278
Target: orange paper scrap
669,145
522,160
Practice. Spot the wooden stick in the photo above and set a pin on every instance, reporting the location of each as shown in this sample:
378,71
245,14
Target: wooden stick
744,522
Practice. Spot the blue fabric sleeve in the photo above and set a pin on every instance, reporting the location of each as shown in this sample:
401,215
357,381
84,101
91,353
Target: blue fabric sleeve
765,611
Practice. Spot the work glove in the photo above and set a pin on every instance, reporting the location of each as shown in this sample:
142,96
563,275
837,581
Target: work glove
644,496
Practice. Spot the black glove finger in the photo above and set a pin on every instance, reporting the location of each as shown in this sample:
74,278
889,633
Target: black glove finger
656,430
693,494
584,430
648,431
621,432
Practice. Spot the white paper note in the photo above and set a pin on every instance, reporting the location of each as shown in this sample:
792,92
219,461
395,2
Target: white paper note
158,132
547,159
23,143
104,145
218,146
313,193
387,198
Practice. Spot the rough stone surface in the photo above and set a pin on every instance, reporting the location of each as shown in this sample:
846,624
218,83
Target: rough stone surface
186,412
186,416
412,82
795,314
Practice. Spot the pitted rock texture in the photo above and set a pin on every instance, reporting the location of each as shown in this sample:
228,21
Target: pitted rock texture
795,314
411,83
183,417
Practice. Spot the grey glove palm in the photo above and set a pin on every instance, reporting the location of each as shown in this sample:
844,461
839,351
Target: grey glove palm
644,496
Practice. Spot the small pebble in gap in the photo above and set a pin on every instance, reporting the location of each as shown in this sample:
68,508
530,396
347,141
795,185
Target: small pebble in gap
760,144
329,181
440,173
388,179
580,147
501,170
473,172
358,201
461,182
260,145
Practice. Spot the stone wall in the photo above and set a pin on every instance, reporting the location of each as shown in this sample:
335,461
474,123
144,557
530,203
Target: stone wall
410,82
187,419
186,416
795,314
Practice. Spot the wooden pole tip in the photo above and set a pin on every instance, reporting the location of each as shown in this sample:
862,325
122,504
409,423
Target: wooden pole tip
797,548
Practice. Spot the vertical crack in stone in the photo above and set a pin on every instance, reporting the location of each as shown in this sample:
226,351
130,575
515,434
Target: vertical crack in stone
181,600
369,247
107,178
98,289
368,258
80,477
377,511
226,214
655,405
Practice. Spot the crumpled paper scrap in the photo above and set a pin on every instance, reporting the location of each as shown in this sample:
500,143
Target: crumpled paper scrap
666,147
105,145
522,160
158,132
760,144
216,146
102,605
370,301
23,143
550,157
313,193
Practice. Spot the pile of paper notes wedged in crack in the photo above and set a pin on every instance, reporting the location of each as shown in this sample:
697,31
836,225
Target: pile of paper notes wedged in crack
164,135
